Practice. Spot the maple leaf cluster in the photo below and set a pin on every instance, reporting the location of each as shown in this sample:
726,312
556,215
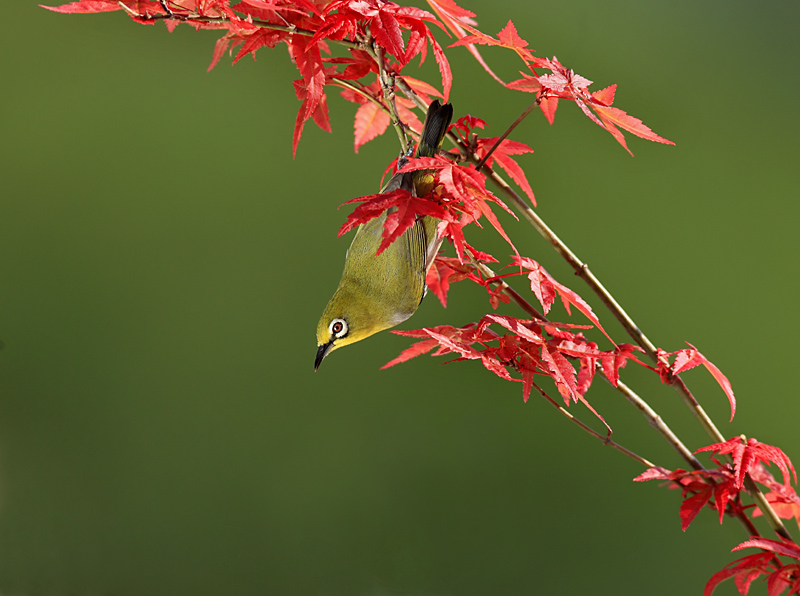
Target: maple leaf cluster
721,489
402,32
529,347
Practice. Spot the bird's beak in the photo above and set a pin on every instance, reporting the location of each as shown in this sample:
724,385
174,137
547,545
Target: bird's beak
322,351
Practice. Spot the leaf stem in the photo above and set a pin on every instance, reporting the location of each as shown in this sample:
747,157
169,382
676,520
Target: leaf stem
604,438
508,131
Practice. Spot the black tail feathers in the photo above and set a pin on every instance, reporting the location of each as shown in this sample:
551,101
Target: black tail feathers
436,123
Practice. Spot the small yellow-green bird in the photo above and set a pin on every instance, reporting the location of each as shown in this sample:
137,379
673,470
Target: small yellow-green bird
377,292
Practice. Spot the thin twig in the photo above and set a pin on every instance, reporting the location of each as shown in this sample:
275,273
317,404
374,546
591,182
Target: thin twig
387,85
188,18
508,131
594,433
356,89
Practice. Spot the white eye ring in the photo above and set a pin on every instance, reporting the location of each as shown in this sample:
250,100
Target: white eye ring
338,328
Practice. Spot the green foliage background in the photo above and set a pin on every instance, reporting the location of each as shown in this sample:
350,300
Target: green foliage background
164,263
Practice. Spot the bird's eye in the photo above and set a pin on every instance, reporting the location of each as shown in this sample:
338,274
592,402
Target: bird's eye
338,328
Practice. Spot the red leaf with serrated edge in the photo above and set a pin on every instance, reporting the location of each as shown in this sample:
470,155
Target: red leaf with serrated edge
562,373
416,349
541,285
465,185
371,207
438,280
219,49
507,38
444,66
654,473
308,59
398,220
586,375
785,549
407,116
744,570
549,105
722,493
611,362
421,87
404,216
371,121
517,326
692,506
455,18
527,83
747,453
568,297
258,39
86,6
455,346
686,359
445,270
387,32
502,155
605,96
617,117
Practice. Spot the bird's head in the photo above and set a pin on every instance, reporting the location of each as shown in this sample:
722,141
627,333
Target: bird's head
349,317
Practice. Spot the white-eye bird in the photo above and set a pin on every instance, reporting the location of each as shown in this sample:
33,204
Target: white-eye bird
377,292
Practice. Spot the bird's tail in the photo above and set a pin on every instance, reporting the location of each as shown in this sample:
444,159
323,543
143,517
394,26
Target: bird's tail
436,123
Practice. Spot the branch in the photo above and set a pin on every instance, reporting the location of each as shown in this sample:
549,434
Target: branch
640,404
169,15
387,84
504,136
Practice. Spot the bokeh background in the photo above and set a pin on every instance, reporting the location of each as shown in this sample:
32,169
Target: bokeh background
164,262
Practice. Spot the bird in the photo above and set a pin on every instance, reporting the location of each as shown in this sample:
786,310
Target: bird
377,292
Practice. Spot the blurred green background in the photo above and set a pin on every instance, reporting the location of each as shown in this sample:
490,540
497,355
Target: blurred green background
164,263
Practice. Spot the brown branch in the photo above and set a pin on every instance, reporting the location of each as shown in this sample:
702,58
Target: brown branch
640,404
387,80
169,15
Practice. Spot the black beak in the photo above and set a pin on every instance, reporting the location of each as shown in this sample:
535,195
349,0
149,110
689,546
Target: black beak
322,351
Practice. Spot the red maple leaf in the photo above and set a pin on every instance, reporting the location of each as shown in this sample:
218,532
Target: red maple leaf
689,358
698,488
780,577
564,83
85,6
463,194
455,19
783,498
744,571
371,121
612,361
502,155
507,38
545,287
747,452
308,59
403,209
447,270
424,91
